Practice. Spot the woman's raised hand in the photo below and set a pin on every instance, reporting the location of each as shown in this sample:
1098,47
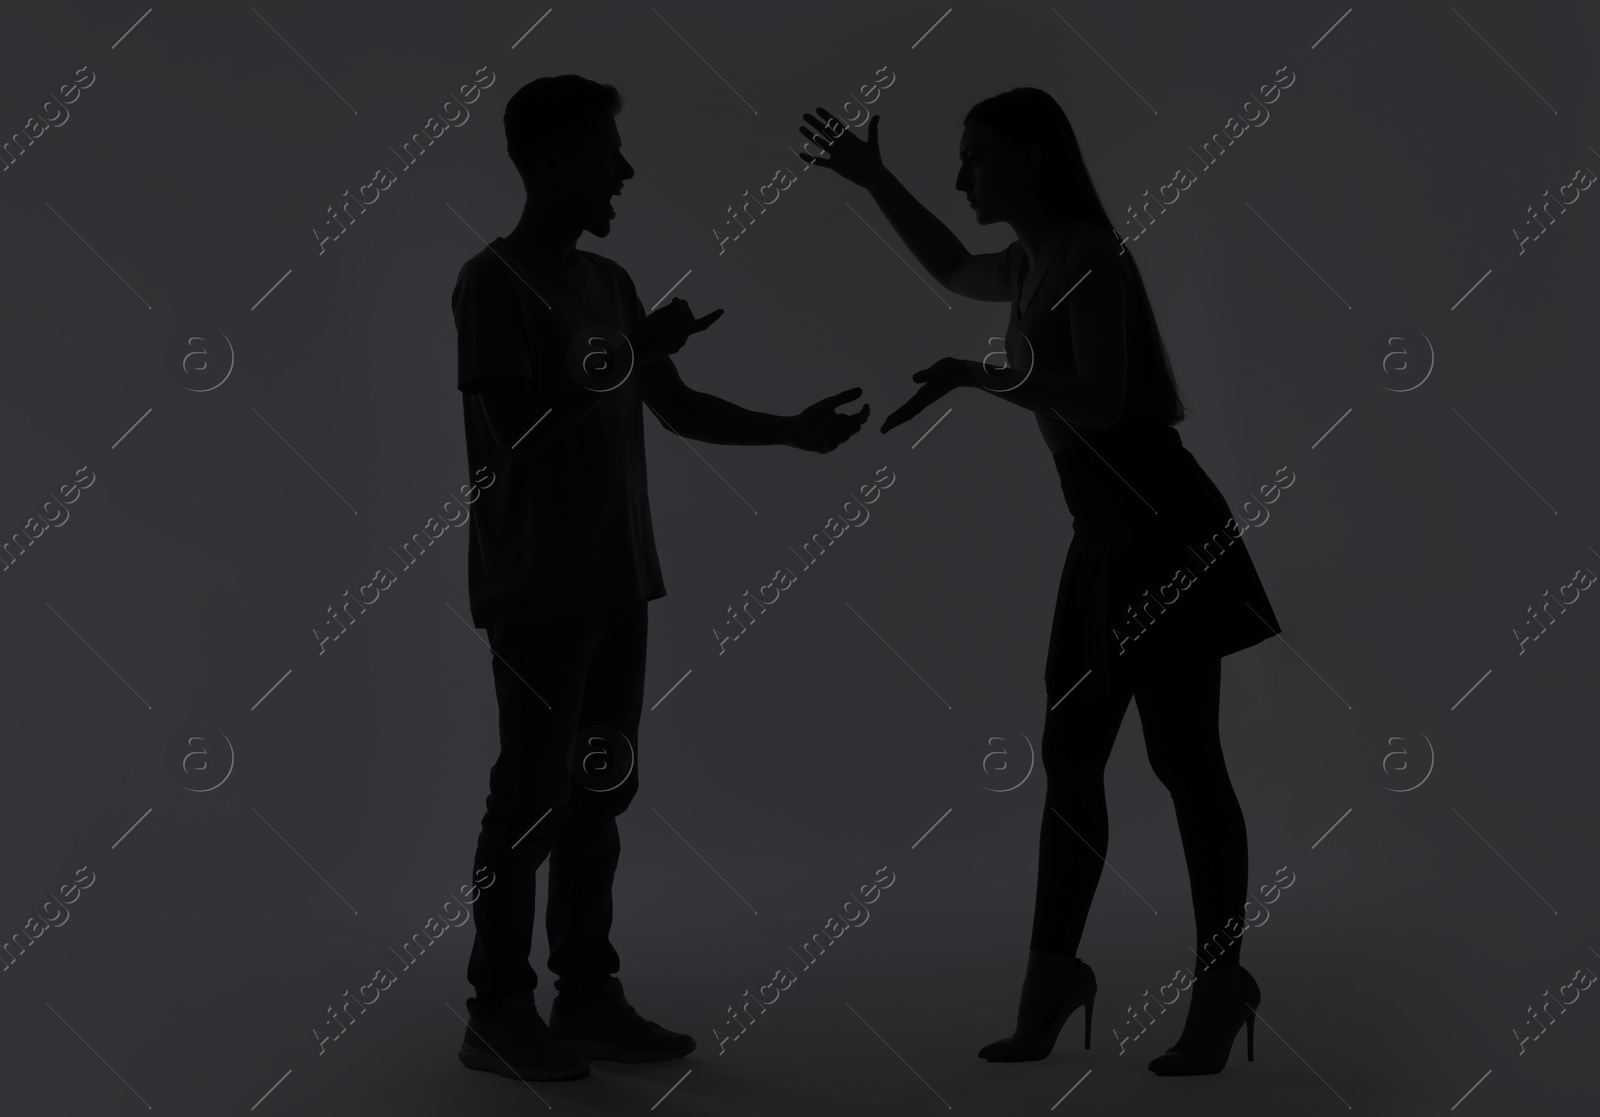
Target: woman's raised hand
849,156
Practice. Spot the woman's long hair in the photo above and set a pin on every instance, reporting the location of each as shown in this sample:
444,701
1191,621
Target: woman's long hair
1027,115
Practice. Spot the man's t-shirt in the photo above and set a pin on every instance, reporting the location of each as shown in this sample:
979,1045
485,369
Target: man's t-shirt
564,527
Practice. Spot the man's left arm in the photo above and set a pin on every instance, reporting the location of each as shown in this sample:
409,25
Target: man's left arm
708,418
704,417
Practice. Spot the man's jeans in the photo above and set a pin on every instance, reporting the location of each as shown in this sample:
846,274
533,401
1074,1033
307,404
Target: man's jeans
554,794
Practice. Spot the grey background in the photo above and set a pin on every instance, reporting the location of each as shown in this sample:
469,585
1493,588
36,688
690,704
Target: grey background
781,775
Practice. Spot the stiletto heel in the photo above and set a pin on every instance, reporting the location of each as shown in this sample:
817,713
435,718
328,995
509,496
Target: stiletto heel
1056,985
1215,1016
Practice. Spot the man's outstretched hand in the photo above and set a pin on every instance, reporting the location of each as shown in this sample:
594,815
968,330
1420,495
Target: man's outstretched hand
663,332
820,428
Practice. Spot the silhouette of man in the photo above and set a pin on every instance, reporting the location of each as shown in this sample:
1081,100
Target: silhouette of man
556,360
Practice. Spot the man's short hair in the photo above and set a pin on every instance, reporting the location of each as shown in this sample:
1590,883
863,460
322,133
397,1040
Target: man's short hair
552,112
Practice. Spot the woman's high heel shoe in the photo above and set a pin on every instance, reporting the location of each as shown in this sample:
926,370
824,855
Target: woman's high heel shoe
1220,1007
1055,985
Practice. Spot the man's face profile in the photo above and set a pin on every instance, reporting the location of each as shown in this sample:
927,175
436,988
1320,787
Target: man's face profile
585,173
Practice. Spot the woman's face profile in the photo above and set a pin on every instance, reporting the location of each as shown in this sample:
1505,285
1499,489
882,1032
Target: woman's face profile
994,174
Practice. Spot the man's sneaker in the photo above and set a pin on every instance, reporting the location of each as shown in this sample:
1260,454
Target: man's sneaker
516,1042
608,1027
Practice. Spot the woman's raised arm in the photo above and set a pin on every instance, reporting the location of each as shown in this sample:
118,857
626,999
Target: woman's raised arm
933,244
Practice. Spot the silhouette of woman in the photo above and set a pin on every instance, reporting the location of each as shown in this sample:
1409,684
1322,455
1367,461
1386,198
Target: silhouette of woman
1157,586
